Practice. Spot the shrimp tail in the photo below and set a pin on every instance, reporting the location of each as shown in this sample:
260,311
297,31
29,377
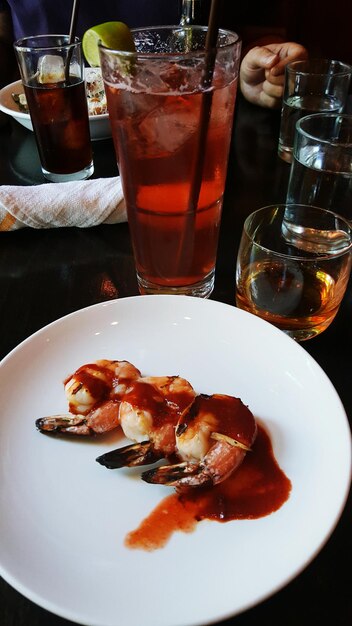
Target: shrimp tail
182,474
221,460
70,424
130,456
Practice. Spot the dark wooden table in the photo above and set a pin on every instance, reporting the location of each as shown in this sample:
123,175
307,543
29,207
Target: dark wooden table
47,274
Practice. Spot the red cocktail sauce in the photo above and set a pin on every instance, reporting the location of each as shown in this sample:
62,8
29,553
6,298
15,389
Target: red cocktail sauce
259,487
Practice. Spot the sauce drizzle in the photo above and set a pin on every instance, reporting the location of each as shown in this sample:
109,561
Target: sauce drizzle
256,489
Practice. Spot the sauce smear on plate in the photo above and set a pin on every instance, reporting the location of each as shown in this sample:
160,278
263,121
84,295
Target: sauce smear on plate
259,487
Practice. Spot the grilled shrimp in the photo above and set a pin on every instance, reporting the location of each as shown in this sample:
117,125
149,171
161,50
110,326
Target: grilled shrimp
149,413
212,439
94,393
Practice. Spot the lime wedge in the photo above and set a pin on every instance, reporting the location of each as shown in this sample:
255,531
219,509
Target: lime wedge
114,35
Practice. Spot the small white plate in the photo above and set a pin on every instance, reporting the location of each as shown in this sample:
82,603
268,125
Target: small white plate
99,124
64,517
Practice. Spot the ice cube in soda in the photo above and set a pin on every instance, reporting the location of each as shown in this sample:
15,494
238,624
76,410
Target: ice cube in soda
51,69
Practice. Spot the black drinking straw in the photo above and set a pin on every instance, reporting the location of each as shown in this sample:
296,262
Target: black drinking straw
73,23
187,240
71,36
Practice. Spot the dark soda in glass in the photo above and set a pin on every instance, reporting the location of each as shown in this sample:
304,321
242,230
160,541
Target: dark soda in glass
59,114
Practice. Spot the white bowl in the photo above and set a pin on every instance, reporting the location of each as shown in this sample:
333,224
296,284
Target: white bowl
99,124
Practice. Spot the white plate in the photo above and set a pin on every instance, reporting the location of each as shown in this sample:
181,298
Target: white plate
99,124
64,517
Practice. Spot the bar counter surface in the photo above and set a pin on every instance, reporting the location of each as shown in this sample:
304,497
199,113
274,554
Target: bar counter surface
47,274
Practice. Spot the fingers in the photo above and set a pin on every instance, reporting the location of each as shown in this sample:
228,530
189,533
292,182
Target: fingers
275,76
260,57
262,72
274,57
287,53
275,80
271,95
268,102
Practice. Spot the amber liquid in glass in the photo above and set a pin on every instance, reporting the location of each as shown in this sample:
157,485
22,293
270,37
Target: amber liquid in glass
293,297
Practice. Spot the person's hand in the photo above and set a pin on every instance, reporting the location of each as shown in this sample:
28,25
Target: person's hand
262,72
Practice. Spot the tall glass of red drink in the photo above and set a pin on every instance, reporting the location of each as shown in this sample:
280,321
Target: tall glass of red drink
171,107
52,73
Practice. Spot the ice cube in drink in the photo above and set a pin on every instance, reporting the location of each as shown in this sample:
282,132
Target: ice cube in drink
51,69
166,129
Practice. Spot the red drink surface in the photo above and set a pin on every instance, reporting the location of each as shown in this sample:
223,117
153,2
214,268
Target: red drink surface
59,115
155,138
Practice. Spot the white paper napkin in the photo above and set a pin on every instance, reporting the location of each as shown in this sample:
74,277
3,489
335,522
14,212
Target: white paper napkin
79,203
